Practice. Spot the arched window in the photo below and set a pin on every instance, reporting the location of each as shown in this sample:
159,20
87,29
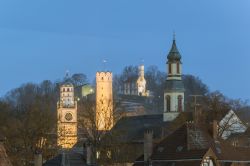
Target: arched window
178,68
169,68
168,103
179,103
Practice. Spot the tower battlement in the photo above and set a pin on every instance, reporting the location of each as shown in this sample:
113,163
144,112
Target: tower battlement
104,101
104,76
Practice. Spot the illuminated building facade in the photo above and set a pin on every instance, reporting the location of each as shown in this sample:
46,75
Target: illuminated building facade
135,85
104,101
66,117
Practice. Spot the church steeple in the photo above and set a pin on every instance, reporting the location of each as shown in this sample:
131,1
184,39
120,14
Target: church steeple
174,64
174,54
174,89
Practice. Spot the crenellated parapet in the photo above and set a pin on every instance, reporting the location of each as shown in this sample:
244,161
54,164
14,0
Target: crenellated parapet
104,76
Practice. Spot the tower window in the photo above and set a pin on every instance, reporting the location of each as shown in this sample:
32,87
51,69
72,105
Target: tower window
67,89
178,68
169,68
168,103
179,103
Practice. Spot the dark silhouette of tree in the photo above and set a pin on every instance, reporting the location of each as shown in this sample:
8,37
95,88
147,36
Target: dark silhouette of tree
79,79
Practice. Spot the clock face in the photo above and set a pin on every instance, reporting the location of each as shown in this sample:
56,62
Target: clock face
68,116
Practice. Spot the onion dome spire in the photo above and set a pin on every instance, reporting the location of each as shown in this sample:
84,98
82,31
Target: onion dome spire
174,54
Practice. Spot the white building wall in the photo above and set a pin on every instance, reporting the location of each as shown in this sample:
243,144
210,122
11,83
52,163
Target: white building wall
174,101
231,124
174,71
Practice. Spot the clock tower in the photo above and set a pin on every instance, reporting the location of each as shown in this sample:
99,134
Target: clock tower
66,117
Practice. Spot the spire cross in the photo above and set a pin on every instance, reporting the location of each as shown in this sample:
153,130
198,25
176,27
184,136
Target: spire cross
174,35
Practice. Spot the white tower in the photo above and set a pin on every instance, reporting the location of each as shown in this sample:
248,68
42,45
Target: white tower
66,117
141,82
174,90
104,101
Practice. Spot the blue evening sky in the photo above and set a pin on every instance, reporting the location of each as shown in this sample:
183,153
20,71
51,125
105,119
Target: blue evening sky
41,39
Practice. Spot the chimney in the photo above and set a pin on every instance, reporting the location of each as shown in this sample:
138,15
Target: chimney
38,158
190,132
215,130
89,154
148,145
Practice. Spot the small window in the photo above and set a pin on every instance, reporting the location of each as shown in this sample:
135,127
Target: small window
179,103
168,103
169,68
178,68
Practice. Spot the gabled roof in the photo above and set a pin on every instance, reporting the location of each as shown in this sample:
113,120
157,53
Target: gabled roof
69,158
231,153
180,145
179,148
183,147
244,116
133,127
231,123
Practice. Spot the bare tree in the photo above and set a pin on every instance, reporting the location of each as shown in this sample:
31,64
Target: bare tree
103,141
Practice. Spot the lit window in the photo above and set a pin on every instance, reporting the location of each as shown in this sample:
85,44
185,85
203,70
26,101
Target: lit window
109,154
97,154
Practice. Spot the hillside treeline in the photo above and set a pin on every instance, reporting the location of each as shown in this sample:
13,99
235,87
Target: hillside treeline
28,113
